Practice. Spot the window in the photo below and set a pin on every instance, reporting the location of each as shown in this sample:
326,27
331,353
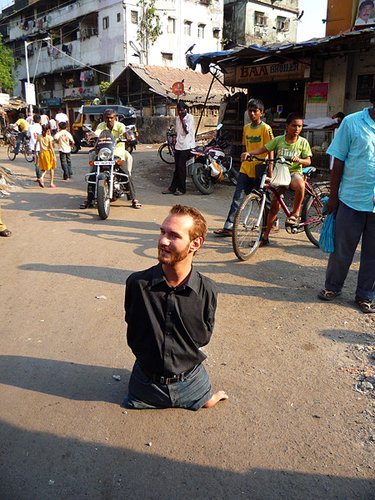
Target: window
216,33
118,17
134,17
187,28
201,30
167,58
105,23
260,19
282,23
171,25
364,85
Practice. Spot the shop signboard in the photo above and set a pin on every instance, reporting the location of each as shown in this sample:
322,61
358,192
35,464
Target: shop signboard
252,73
317,92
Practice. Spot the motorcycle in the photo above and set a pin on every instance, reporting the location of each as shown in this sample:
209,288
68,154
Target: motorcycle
210,165
107,179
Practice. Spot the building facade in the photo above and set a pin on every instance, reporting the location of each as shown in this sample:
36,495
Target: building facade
260,22
73,46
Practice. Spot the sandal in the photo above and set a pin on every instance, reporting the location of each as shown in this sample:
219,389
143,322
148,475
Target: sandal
86,204
40,182
293,220
223,232
136,204
6,233
264,242
366,305
328,294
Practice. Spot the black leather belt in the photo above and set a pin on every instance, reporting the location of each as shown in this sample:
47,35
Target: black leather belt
170,379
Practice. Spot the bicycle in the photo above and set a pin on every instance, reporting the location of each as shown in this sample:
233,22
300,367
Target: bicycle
24,149
251,217
167,149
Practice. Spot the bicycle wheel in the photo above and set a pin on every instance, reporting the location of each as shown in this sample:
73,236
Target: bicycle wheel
313,214
29,154
248,225
11,152
166,153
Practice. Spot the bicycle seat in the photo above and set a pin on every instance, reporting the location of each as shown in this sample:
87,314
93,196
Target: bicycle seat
308,170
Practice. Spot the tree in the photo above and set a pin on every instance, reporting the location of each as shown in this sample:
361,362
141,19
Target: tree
149,27
7,80
103,86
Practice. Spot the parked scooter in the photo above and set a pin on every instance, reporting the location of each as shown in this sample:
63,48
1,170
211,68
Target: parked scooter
107,179
210,164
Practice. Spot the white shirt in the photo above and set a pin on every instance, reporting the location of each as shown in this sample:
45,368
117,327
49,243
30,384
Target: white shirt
61,117
185,141
63,137
34,130
44,119
52,124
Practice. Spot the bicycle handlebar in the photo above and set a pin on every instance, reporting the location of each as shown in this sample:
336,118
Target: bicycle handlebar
269,160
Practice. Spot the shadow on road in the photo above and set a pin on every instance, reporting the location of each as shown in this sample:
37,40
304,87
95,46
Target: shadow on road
41,465
64,379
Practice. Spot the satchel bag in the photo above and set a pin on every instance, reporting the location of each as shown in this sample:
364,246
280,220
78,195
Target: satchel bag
280,175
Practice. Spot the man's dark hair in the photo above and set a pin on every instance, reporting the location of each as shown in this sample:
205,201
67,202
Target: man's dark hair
62,125
36,118
255,103
294,115
21,115
372,95
182,105
109,111
200,225
46,127
364,4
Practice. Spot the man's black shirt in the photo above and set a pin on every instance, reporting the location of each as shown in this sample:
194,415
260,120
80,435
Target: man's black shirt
167,326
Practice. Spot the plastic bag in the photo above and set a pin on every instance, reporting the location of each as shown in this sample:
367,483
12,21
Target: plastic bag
326,240
280,175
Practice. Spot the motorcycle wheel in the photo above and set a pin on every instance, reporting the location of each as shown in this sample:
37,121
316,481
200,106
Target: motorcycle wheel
75,148
233,176
103,199
202,179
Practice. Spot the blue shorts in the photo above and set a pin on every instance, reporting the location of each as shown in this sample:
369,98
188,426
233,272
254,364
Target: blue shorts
191,393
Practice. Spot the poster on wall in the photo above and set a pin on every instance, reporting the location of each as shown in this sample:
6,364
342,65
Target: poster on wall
365,17
317,92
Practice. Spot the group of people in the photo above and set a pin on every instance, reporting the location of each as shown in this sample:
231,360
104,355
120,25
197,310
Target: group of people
170,307
44,133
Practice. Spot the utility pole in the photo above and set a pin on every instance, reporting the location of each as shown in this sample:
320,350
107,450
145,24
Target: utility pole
29,88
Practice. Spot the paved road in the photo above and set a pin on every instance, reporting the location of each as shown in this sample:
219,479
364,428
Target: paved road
293,427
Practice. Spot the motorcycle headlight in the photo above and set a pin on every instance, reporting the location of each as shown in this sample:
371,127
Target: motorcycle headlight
105,154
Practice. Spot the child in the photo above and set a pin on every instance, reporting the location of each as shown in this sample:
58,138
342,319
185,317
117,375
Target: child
255,132
65,142
47,158
296,150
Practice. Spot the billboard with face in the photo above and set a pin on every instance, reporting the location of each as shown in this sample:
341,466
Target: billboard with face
365,17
